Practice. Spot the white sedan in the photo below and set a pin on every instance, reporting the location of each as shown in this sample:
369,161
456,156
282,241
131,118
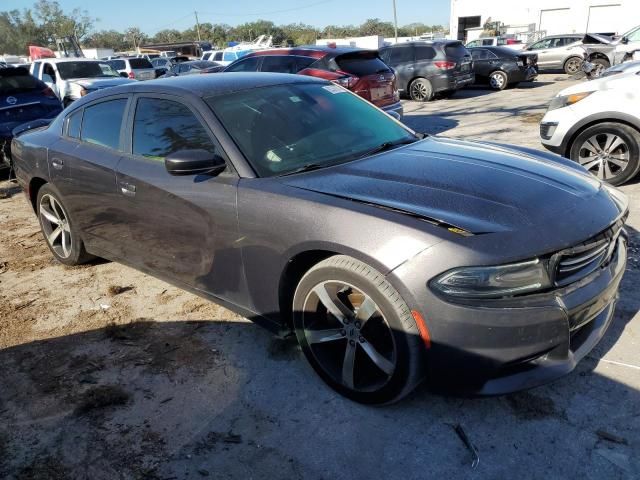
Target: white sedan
597,124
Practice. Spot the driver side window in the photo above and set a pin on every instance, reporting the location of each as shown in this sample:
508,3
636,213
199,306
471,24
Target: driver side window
634,36
541,44
48,70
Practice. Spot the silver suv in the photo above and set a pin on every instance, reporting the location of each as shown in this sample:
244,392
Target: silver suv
557,52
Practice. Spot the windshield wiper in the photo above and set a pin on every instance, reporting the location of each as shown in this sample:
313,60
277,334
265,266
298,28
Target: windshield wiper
305,168
383,147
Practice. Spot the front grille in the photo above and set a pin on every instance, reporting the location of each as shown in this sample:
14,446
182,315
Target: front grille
577,262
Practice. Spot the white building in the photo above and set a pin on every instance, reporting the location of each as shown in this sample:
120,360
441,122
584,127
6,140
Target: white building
545,17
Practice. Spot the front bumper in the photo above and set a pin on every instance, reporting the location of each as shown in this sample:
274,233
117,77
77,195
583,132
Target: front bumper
503,346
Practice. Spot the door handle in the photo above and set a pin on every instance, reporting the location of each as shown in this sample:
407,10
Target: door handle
128,189
57,163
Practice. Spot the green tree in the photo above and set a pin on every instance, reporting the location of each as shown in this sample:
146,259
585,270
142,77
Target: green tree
106,39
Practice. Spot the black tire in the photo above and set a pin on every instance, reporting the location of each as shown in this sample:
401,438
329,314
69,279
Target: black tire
74,253
392,324
421,90
572,65
66,102
498,80
592,141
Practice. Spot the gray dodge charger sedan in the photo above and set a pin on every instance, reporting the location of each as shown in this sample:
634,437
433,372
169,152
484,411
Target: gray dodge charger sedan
392,256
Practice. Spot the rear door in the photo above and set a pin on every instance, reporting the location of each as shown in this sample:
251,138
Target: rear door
483,62
401,59
82,164
178,227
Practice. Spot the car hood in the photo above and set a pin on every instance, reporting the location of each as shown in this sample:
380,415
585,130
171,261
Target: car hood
477,187
626,80
91,83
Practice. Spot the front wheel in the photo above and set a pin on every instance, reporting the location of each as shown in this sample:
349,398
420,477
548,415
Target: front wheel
600,66
609,151
421,90
60,233
498,80
357,332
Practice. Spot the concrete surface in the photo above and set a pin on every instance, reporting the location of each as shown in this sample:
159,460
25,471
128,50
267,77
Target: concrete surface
151,382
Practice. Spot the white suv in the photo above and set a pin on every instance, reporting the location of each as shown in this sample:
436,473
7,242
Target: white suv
597,124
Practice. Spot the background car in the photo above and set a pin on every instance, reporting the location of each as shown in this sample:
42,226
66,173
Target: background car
496,42
361,71
428,68
193,67
73,78
23,98
556,52
597,124
212,55
136,68
501,67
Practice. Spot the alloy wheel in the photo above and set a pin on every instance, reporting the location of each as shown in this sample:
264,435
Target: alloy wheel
606,155
349,336
497,80
419,91
573,66
55,225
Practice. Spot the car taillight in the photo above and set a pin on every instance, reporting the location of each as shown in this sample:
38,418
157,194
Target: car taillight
348,81
132,75
47,92
445,65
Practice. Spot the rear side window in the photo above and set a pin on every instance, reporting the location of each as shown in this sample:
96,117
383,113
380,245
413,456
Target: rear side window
118,64
246,65
361,64
101,123
279,64
400,55
424,52
74,122
162,127
217,56
455,50
140,63
304,62
18,80
481,54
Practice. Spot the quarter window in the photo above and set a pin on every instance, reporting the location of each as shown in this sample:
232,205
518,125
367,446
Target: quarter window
74,121
101,123
162,127
425,53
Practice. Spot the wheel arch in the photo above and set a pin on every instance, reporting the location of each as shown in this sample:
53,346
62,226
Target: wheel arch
35,184
570,57
605,117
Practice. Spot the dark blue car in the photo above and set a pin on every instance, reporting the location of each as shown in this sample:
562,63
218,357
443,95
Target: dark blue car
23,99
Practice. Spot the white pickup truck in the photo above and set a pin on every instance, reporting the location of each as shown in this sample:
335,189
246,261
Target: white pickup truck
72,78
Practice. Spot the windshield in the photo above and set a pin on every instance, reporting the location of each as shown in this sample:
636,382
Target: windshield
85,70
331,125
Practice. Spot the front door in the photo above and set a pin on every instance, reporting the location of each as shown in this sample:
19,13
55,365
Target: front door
182,228
484,62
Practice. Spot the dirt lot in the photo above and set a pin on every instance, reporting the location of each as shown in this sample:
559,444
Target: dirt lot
108,373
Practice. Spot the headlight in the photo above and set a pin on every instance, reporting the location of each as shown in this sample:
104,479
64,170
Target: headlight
566,100
493,282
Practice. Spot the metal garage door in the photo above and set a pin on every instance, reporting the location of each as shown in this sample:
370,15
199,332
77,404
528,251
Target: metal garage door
605,18
554,21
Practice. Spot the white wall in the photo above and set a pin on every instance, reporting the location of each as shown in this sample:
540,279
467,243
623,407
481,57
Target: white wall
554,16
374,42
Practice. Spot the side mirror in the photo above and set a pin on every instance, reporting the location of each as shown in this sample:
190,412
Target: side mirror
194,162
624,40
46,78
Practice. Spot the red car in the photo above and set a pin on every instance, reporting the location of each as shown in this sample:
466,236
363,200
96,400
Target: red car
361,71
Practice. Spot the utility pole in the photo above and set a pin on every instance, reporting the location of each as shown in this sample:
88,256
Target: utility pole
395,20
197,25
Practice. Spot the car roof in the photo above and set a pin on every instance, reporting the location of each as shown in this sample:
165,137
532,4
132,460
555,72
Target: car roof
203,85
502,50
316,51
564,35
424,42
69,59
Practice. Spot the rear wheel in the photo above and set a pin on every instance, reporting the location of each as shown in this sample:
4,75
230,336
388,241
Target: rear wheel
498,80
61,235
573,65
609,151
421,90
357,332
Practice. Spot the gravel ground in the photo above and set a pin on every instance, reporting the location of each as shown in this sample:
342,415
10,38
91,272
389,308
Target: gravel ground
108,373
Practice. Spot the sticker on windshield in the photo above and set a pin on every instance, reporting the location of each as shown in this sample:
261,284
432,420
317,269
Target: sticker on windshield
334,89
295,99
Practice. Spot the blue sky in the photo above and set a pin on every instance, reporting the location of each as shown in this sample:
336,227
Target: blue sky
154,16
